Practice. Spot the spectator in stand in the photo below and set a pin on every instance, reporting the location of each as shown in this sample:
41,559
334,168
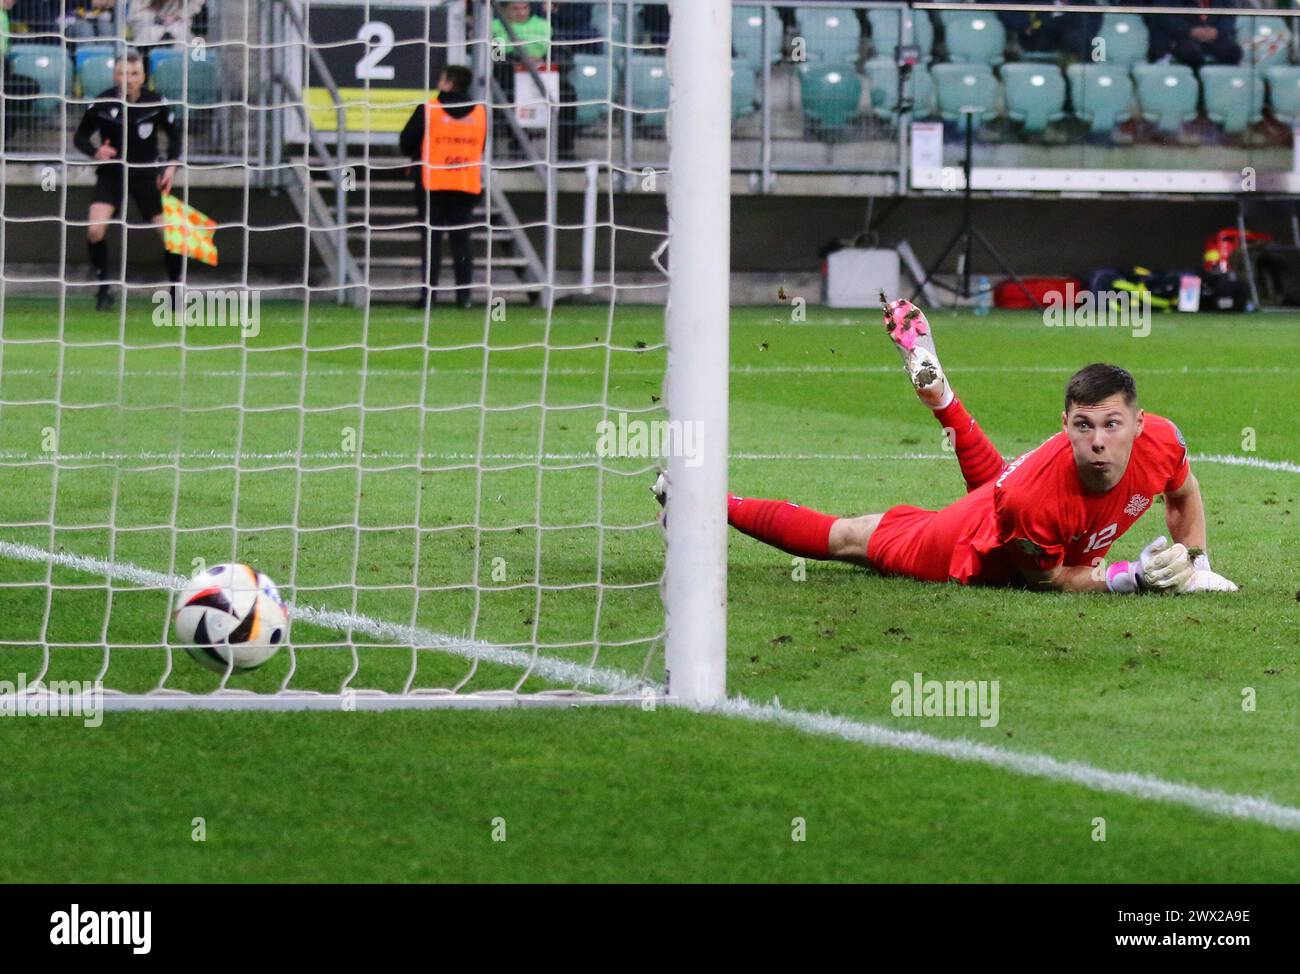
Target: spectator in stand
161,23
654,20
1038,32
1191,40
86,21
531,48
5,7
36,17
572,22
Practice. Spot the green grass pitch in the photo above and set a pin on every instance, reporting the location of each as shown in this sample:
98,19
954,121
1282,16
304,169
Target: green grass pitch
821,413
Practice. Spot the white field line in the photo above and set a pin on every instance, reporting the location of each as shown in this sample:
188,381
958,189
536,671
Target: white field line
379,456
1130,784
559,671
199,373
1133,785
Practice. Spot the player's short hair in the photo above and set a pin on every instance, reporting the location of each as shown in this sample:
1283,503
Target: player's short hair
131,57
460,77
1096,382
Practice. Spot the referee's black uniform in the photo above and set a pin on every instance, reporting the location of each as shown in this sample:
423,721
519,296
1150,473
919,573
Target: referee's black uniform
132,129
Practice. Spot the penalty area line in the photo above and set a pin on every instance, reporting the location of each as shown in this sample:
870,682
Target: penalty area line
1130,784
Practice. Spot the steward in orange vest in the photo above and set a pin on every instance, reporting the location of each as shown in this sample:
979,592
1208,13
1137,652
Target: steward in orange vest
445,137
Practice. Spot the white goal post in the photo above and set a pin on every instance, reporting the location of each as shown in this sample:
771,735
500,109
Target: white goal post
74,532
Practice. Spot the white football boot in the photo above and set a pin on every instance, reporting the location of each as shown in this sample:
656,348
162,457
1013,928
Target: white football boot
912,335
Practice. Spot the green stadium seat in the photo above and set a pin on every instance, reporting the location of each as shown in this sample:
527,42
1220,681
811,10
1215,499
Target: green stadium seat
1284,92
49,67
832,34
1102,95
94,70
960,88
744,90
885,30
1035,94
649,83
1265,41
882,83
1167,94
610,22
1234,96
1126,39
170,81
830,94
593,81
975,38
161,55
747,34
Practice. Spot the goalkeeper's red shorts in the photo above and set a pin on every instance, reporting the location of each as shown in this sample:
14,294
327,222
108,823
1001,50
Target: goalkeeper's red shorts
950,545
917,543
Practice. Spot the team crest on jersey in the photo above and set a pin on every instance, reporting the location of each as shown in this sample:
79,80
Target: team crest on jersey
1136,505
145,129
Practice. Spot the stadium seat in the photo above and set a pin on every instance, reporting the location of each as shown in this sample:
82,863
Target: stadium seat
1264,41
747,34
1167,94
832,34
830,94
744,90
1284,92
161,55
1102,95
961,88
1126,39
169,80
593,81
882,83
609,22
1035,94
94,69
1234,96
885,32
649,83
49,67
975,38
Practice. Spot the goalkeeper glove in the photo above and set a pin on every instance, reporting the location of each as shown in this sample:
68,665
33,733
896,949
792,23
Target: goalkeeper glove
1160,567
1205,579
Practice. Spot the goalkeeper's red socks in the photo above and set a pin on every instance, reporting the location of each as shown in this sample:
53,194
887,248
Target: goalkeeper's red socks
979,458
794,529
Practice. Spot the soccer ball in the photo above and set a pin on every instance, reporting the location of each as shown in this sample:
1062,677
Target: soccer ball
231,616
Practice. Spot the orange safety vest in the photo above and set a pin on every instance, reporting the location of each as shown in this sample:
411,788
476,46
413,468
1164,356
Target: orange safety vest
453,149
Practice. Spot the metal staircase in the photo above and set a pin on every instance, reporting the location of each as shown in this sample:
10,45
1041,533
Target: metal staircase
383,235
360,214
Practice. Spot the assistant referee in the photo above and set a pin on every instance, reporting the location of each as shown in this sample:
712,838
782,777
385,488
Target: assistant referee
127,119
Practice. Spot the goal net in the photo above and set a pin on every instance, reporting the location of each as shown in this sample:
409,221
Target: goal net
453,502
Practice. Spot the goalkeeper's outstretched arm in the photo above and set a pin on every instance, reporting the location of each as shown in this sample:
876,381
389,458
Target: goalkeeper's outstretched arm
1185,514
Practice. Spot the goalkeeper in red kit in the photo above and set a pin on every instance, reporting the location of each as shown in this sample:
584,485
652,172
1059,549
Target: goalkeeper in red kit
1045,520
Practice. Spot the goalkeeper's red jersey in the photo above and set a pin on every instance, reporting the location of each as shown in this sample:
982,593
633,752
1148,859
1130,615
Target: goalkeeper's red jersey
1036,514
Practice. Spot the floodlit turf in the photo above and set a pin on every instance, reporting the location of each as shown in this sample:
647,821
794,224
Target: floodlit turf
820,413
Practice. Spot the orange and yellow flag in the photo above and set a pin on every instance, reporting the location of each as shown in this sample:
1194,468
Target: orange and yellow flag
187,231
